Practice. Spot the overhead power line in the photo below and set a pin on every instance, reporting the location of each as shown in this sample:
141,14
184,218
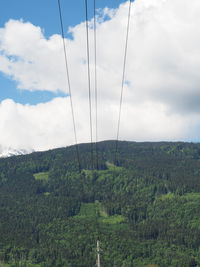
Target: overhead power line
123,79
95,82
89,82
69,85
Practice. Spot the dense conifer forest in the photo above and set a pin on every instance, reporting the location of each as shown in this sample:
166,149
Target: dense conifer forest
144,208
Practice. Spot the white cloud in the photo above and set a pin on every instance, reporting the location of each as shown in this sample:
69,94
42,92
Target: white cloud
49,125
160,97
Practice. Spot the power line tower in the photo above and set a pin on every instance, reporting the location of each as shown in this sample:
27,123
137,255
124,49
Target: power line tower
98,254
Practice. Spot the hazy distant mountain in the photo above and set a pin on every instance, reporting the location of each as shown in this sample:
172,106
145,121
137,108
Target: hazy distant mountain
8,151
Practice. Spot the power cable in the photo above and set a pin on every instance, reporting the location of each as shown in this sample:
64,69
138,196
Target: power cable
123,79
69,85
95,81
89,82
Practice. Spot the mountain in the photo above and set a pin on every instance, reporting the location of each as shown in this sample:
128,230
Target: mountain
8,152
142,204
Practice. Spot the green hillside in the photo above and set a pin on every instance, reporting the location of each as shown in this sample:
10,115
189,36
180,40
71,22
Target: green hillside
144,208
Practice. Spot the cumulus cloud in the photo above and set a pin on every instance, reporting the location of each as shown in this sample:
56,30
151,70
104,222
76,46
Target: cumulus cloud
161,95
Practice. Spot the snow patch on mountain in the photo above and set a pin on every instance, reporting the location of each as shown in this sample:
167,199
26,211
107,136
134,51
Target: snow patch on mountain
8,151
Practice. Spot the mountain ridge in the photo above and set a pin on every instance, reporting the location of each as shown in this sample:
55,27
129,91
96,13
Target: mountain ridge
144,209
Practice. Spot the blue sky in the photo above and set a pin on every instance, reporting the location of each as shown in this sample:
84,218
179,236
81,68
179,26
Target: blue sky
43,13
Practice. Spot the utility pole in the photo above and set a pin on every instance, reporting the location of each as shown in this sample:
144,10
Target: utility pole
98,254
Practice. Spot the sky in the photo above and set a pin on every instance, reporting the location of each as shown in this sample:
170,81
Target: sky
161,91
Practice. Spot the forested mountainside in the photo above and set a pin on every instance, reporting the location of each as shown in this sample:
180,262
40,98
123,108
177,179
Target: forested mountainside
144,209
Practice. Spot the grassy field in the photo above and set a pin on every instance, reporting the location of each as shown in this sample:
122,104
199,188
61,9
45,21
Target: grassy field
97,209
43,176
